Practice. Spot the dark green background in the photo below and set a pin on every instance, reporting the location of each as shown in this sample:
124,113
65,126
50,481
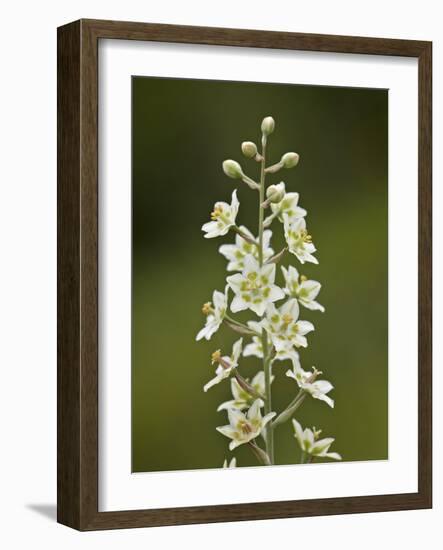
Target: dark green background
182,131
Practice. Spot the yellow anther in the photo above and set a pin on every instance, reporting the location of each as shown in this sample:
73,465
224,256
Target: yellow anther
245,427
303,278
207,308
218,211
216,356
287,318
305,236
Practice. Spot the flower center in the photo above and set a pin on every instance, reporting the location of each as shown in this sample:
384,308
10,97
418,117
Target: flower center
207,308
305,237
218,211
286,318
245,427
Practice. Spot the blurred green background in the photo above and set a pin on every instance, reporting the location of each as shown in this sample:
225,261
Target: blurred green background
182,131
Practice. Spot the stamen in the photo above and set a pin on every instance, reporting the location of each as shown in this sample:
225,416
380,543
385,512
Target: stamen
287,318
218,211
245,427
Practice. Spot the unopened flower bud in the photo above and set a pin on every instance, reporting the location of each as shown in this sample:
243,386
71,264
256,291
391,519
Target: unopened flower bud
268,125
232,169
289,160
249,149
275,193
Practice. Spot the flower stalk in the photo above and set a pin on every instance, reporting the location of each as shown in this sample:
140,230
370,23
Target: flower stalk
277,333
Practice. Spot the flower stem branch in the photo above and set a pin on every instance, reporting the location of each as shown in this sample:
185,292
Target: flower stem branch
243,235
250,182
259,453
277,257
290,409
247,387
239,327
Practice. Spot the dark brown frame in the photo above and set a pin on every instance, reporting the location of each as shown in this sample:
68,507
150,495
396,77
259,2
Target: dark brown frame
77,480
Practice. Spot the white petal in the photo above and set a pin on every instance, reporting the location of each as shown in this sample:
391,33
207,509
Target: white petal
251,265
298,432
290,307
267,234
269,272
228,251
219,299
236,350
259,308
268,417
235,281
322,446
334,456
238,304
236,443
235,416
252,349
313,305
212,230
227,430
211,383
254,412
310,289
255,325
325,398
322,386
304,327
276,293
234,204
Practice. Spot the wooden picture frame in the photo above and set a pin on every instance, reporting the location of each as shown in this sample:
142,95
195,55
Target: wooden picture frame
78,274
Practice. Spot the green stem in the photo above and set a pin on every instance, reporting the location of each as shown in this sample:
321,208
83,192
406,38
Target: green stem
261,211
267,363
290,409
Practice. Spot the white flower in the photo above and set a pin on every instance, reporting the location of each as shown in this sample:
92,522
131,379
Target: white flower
223,218
288,206
232,464
309,442
299,241
254,288
242,399
284,328
302,288
255,347
215,315
237,252
244,427
308,383
225,364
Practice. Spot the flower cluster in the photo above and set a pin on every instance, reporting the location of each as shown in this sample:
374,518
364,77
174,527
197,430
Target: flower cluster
278,331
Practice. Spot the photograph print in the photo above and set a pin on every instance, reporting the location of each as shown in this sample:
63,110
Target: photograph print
259,274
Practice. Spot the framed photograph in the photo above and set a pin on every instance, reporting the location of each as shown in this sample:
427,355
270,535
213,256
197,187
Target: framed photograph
244,275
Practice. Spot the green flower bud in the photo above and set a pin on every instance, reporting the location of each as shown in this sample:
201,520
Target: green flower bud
275,193
289,160
267,126
232,169
249,149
